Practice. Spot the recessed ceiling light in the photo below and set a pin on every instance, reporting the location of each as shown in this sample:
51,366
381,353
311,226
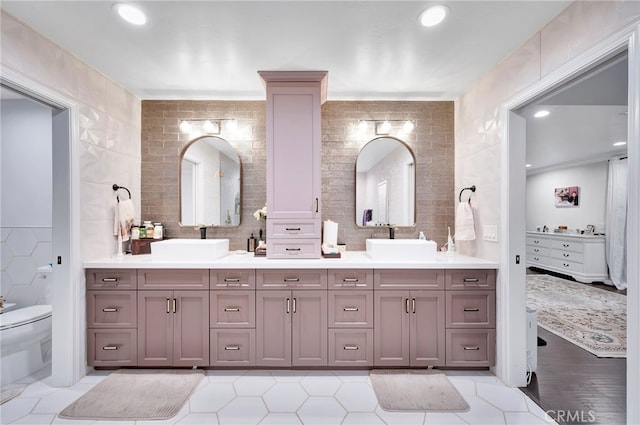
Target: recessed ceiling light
433,15
130,13
620,143
542,113
527,165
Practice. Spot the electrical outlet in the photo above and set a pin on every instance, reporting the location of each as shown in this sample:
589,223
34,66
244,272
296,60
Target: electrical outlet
490,233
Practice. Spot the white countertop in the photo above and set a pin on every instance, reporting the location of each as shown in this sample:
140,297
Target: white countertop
349,260
565,235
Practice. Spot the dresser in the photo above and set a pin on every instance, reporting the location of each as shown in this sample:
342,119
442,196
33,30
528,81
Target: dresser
579,256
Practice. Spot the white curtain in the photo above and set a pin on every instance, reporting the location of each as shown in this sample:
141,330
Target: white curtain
616,221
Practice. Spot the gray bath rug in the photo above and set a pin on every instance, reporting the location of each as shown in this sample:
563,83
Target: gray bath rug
416,389
9,394
136,395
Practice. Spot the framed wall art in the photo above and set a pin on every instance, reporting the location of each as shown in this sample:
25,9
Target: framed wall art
566,196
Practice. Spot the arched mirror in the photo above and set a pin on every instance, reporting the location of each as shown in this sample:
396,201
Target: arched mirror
210,182
385,184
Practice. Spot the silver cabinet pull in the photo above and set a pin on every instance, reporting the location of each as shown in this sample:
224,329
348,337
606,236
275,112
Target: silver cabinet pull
565,255
536,258
350,279
293,249
110,309
110,279
470,309
175,303
472,348
536,242
350,309
232,279
232,348
471,280
406,305
413,305
292,279
317,204
232,309
566,245
350,347
294,304
288,305
111,347
565,264
536,250
168,305
293,229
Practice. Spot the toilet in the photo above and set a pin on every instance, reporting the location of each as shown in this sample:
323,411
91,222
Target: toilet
25,342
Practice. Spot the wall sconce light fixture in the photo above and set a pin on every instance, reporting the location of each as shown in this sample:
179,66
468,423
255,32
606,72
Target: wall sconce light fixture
207,125
385,127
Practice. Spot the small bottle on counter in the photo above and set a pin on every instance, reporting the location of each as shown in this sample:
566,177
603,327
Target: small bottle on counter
135,232
157,230
422,237
251,243
148,230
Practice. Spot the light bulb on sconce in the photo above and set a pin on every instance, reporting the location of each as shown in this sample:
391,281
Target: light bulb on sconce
408,126
362,125
383,127
185,126
232,125
202,126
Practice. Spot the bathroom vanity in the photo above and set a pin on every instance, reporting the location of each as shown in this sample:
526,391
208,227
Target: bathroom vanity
244,311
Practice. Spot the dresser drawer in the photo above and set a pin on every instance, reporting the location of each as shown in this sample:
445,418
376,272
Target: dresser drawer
293,248
350,309
111,279
541,242
471,279
351,347
576,257
233,279
111,309
232,309
471,309
350,279
539,251
112,347
537,259
408,279
568,266
232,347
470,347
566,245
173,279
303,228
293,279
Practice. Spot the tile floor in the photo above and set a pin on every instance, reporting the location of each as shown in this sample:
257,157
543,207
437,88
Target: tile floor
284,397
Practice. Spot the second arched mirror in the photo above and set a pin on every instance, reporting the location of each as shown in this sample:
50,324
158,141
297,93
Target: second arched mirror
385,184
210,183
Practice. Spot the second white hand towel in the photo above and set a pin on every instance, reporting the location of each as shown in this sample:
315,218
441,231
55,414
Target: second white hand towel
465,230
124,215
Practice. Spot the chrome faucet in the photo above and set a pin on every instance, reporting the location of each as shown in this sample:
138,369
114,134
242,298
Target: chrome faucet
392,231
203,231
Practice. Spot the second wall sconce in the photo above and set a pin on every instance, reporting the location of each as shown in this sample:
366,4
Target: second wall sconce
385,127
207,125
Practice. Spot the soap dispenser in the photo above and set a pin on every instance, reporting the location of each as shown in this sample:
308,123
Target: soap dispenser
251,243
422,237
451,248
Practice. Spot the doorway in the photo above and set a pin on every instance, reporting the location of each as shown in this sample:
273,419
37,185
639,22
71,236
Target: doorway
513,210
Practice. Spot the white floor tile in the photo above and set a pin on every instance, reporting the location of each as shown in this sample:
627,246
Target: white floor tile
288,375
321,411
523,418
362,418
400,418
113,423
504,398
212,398
482,413
61,421
37,389
243,411
199,419
537,410
224,375
35,419
321,385
56,401
463,384
284,397
443,419
17,408
353,375
254,384
281,419
357,397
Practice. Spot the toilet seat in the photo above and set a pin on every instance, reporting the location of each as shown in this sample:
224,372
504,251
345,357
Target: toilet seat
22,316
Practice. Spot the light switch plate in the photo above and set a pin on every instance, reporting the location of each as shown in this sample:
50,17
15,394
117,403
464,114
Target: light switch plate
490,232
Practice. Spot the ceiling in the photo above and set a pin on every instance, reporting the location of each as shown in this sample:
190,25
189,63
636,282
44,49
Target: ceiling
373,50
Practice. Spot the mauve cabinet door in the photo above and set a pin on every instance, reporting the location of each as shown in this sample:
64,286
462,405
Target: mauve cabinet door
391,328
427,335
273,328
111,309
233,347
233,309
111,347
471,309
155,328
191,328
350,309
309,328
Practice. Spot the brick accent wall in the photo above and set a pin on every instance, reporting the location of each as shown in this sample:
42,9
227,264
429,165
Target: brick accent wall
432,143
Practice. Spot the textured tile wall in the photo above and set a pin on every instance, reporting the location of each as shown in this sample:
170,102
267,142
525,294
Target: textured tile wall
431,142
477,118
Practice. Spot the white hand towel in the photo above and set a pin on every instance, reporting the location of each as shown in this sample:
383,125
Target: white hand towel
124,215
464,223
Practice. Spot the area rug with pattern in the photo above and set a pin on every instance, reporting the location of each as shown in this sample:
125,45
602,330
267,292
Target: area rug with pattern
136,395
591,318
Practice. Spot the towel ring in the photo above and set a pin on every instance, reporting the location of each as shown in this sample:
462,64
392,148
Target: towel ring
471,188
116,187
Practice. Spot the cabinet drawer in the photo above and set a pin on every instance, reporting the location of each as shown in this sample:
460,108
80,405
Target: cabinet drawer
233,309
350,279
537,259
568,246
232,347
233,279
471,309
471,279
350,309
351,347
569,266
408,279
294,279
112,347
293,248
533,241
471,347
111,309
173,279
111,279
309,228
537,251
576,257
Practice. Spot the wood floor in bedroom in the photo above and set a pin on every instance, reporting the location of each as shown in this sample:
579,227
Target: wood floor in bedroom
576,386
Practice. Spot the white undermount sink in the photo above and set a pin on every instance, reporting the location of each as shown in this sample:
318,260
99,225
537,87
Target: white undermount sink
401,249
190,249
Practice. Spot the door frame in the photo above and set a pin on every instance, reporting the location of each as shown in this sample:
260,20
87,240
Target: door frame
512,344
68,300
